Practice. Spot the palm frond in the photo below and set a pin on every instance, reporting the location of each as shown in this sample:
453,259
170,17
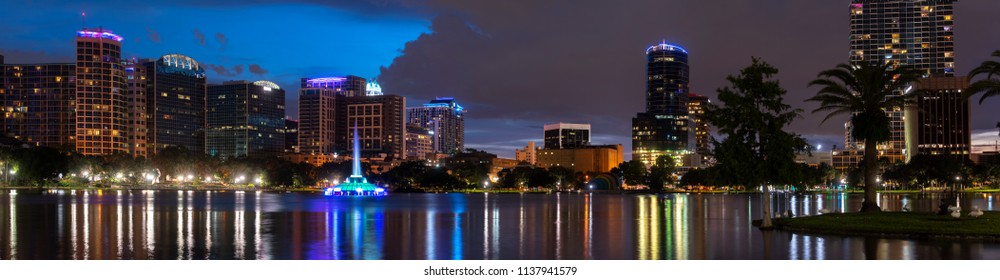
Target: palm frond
988,88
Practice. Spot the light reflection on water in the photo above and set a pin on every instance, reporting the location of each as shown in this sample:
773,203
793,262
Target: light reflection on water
252,225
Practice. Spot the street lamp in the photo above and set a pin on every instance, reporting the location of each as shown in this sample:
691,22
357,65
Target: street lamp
958,180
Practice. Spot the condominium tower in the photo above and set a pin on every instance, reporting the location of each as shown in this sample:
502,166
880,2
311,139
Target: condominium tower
102,105
664,128
444,119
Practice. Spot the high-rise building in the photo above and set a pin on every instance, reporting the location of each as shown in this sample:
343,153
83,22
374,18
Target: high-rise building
329,107
445,119
529,154
915,33
246,119
317,118
702,136
37,102
938,124
102,105
566,135
380,121
357,86
138,132
418,142
663,129
291,132
175,103
317,111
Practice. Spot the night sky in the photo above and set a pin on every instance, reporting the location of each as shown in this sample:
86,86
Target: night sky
514,65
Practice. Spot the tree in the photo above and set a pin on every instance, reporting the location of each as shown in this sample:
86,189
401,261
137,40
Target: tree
406,175
990,86
565,177
539,177
35,165
633,172
865,91
471,174
661,173
756,152
696,177
284,173
439,178
988,172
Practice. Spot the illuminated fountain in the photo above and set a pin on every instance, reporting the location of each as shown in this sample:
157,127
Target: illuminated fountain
356,185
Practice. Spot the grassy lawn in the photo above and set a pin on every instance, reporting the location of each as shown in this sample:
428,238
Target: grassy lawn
897,224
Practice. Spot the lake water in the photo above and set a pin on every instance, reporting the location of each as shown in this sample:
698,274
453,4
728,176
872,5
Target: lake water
252,225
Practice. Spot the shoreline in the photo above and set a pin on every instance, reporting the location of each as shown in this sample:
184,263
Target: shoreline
896,225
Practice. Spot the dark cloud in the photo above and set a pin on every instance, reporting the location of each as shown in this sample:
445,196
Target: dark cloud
199,37
222,70
153,35
256,69
222,40
541,62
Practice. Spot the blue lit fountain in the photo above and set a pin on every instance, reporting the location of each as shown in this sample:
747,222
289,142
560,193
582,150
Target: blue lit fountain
356,185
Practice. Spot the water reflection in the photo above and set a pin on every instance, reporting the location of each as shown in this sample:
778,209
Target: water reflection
254,225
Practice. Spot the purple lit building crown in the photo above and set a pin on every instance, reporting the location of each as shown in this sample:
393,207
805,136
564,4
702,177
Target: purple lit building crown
98,33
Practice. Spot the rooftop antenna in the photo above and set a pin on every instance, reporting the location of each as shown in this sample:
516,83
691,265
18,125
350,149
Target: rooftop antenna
83,19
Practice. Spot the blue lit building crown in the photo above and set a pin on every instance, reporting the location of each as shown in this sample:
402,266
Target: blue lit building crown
665,47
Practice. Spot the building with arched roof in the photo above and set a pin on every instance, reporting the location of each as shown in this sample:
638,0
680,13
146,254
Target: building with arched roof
175,103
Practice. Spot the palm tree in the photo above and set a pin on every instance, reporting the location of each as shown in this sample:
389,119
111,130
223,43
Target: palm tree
990,86
865,91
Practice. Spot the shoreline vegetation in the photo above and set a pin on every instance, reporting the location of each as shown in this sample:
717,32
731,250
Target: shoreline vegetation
903,225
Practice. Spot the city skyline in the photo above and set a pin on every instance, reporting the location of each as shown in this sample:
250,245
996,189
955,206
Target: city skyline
503,113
